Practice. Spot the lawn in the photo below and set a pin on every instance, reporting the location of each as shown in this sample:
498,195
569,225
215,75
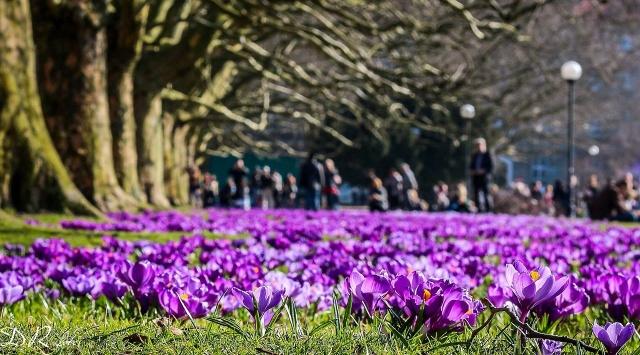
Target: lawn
79,324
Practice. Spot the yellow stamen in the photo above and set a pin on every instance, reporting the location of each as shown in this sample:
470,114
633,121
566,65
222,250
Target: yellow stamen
256,269
184,296
534,275
426,295
470,312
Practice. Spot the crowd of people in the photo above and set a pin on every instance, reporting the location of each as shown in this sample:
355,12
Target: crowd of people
318,186
267,189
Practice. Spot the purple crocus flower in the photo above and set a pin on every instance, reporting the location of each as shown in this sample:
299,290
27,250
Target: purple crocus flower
260,304
532,287
80,285
613,335
367,291
10,294
573,300
630,297
178,302
551,347
112,289
139,275
441,304
498,295
264,297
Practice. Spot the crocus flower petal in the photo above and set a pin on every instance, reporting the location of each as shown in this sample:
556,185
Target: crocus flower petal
375,284
625,334
245,298
456,310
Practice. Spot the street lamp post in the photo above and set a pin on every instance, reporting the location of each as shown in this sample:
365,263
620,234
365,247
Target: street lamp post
571,72
468,112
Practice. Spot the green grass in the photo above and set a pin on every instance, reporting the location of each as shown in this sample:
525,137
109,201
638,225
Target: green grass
84,326
15,231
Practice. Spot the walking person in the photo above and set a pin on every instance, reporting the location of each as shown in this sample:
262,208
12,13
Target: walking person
227,193
393,183
290,192
331,188
409,182
267,200
239,173
560,199
278,188
481,167
254,186
311,181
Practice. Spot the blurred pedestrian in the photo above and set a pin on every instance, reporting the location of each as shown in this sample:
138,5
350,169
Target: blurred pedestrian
560,199
537,190
460,201
378,196
442,196
278,186
632,192
591,191
290,192
481,168
311,181
239,173
195,187
331,188
409,182
211,191
415,203
254,186
266,189
393,184
547,201
610,203
227,193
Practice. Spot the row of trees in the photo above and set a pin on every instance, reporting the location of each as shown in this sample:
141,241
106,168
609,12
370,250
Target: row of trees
104,104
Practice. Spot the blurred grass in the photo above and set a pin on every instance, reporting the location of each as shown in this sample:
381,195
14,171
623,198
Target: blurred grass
14,230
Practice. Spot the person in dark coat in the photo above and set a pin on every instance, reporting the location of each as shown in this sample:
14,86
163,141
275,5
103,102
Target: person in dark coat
481,167
240,174
311,181
560,198
394,186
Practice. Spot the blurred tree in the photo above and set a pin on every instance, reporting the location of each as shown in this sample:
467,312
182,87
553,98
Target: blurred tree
134,92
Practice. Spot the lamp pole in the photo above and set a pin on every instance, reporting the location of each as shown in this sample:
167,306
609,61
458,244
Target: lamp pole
468,112
571,72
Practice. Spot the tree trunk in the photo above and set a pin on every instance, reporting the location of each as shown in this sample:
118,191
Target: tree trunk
124,133
125,45
176,177
150,147
72,44
28,155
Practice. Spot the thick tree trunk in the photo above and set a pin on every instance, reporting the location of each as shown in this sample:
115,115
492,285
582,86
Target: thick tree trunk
125,45
94,111
28,158
175,153
72,43
150,147
123,125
